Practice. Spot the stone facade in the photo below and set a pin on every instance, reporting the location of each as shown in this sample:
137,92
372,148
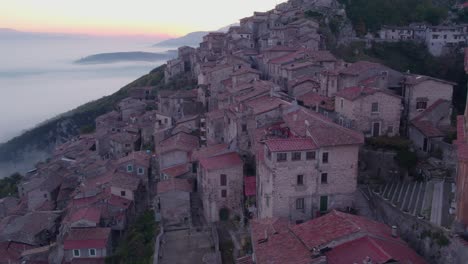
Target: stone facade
282,194
221,184
375,113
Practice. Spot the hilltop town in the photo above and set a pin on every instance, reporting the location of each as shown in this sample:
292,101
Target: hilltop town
272,151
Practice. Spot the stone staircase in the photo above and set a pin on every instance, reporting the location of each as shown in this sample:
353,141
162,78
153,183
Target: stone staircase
421,199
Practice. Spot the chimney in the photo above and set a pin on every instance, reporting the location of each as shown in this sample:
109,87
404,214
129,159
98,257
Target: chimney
394,231
295,117
367,260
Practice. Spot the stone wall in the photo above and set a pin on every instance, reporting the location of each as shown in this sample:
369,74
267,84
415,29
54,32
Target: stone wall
434,243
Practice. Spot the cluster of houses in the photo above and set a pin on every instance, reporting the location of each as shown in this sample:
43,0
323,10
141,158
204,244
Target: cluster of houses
438,39
271,132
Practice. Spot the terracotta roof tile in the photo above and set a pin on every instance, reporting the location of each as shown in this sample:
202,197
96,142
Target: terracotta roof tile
265,104
273,243
125,181
180,141
184,185
210,151
378,250
290,144
322,130
176,170
314,99
360,67
356,92
223,161
91,214
336,225
80,238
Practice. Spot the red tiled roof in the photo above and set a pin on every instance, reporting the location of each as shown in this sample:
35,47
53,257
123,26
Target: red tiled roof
273,243
87,238
180,141
119,202
250,186
224,161
304,79
427,128
91,214
210,151
313,99
177,170
321,129
360,67
174,185
378,250
140,157
125,181
265,103
335,225
290,144
356,92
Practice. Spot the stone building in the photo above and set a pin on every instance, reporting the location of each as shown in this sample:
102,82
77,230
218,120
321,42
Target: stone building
177,149
310,170
220,180
174,202
419,92
372,111
87,244
430,126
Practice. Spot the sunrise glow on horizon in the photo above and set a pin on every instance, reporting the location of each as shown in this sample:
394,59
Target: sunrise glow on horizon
161,18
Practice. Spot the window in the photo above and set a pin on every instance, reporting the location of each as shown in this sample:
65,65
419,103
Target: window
310,155
223,179
129,168
325,158
300,204
223,193
92,252
340,121
269,154
244,127
76,253
300,180
375,107
281,157
421,105
324,178
342,103
127,145
296,156
141,171
122,193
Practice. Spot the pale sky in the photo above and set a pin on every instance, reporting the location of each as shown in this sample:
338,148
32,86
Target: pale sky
151,17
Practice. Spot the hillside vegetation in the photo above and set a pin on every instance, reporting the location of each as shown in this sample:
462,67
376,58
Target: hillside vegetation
371,15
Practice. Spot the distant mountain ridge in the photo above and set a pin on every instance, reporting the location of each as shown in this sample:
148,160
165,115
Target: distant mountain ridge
191,39
102,58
